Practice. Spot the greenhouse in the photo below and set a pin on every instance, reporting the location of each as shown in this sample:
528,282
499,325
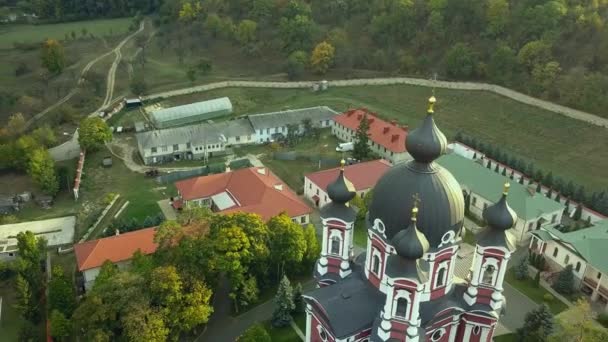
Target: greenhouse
191,113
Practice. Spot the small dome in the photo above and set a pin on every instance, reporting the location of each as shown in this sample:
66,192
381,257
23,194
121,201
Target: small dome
499,215
341,190
410,243
426,143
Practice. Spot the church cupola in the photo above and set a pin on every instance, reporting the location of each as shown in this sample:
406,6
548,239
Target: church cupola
427,143
338,220
500,216
410,243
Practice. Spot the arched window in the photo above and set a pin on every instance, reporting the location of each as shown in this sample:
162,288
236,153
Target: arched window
401,310
322,333
440,277
555,252
566,259
578,266
488,275
335,245
476,330
437,335
376,264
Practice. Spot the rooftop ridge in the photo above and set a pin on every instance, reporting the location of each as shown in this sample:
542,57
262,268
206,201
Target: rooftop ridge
292,110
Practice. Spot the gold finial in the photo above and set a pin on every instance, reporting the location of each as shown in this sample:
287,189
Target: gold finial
416,198
432,101
342,163
506,188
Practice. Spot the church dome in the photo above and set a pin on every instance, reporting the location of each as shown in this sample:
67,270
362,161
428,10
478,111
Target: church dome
439,195
410,243
341,190
499,215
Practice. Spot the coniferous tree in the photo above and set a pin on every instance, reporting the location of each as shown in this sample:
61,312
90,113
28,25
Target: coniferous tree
504,171
474,143
298,301
565,281
557,198
538,324
521,272
458,137
537,279
538,188
567,205
521,179
474,155
530,171
580,194
569,190
538,176
489,166
578,212
361,150
512,175
549,193
548,180
496,168
284,305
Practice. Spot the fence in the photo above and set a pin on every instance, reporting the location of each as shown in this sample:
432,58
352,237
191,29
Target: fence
323,161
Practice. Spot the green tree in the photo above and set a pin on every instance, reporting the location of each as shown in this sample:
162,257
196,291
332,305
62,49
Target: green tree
298,300
578,212
144,324
537,279
138,85
93,132
45,136
521,272
361,148
322,57
534,53
287,245
497,15
248,292
255,333
283,304
460,61
538,324
191,75
565,281
60,326
26,303
578,324
502,64
296,33
296,64
246,32
16,125
41,168
53,56
61,292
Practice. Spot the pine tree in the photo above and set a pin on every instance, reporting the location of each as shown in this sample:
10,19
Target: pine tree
489,166
580,194
549,193
458,136
474,155
578,212
512,175
548,180
521,272
283,304
569,189
565,281
558,198
538,323
521,179
538,176
361,150
504,172
298,301
530,170
538,188
537,279
474,143
496,168
567,205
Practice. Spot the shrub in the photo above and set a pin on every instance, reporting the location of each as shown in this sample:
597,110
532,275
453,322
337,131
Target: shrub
108,198
565,281
521,272
603,319
548,298
537,279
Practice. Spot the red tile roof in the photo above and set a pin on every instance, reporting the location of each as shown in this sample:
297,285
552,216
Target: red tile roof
362,175
264,194
116,248
386,134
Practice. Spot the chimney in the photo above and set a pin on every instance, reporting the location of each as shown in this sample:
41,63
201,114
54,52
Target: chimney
261,170
385,130
278,187
394,137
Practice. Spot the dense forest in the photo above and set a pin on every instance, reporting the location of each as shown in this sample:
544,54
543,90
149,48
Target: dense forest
555,50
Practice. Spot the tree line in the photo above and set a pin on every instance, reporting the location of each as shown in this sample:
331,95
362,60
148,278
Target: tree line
559,188
551,49
72,10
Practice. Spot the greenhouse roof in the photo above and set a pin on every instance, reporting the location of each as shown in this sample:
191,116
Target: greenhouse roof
205,110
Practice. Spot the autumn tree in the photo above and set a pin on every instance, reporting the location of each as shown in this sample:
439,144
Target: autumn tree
246,32
93,132
578,324
255,333
322,57
53,56
15,125
41,168
61,292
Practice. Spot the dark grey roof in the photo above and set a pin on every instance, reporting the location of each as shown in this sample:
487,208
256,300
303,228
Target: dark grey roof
350,305
341,190
441,207
499,215
398,267
338,210
198,134
499,238
410,243
294,116
426,143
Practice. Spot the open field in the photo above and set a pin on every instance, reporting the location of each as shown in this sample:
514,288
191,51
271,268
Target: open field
39,33
570,148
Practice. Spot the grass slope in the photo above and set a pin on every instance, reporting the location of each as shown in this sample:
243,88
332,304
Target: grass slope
38,33
570,148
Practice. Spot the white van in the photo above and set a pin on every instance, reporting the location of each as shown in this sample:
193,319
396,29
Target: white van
345,147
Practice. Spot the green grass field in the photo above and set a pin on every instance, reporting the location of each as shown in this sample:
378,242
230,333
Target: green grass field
537,294
38,33
570,148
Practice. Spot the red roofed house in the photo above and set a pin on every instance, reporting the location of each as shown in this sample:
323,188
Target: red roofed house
119,249
363,176
253,190
387,139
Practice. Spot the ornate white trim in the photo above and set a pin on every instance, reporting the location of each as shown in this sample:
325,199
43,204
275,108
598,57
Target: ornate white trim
379,227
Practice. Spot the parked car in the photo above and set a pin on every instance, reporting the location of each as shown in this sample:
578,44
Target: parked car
345,147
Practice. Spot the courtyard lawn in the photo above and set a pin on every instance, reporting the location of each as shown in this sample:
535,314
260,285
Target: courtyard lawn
300,320
506,338
10,320
285,334
360,234
537,294
536,135
38,33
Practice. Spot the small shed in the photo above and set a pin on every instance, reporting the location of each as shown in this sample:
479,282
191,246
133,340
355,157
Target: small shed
107,161
133,103
191,113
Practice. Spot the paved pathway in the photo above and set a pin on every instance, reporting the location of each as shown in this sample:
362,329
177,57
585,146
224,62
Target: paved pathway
167,210
572,113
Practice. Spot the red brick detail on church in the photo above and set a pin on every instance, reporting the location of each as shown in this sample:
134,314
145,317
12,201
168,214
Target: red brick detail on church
398,330
335,224
447,329
363,334
493,252
484,295
405,284
314,332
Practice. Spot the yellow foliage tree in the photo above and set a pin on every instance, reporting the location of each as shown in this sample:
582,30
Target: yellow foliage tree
322,57
189,11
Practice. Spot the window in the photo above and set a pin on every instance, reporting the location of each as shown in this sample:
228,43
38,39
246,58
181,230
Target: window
530,225
555,252
153,149
267,130
392,154
554,218
317,192
385,150
488,275
310,185
335,245
376,264
325,198
303,219
485,205
401,309
476,330
566,259
474,200
437,335
322,333
440,280
188,145
163,148
238,138
599,275
175,147
578,266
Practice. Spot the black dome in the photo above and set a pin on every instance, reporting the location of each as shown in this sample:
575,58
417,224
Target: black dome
440,195
441,200
410,243
341,190
499,215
